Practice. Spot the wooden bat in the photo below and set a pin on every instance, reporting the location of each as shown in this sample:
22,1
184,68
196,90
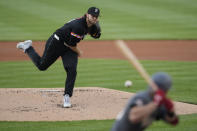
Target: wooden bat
135,62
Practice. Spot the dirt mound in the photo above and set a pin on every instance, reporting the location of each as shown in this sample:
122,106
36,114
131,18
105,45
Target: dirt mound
46,104
19,104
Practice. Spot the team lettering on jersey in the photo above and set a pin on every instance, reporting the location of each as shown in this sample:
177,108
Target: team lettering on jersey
76,35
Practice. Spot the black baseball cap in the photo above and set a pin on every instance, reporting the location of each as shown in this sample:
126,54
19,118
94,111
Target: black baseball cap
94,11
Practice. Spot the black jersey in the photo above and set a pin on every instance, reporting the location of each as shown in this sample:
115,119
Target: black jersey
73,32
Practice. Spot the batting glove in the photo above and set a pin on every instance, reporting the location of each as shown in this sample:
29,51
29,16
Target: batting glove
168,104
159,97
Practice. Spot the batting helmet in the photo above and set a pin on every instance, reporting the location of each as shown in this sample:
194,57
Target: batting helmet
162,80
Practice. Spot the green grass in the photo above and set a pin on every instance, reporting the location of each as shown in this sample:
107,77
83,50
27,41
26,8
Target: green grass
187,123
121,19
57,126
102,73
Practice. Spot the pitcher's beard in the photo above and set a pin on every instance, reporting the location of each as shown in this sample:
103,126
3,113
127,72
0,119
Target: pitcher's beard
91,22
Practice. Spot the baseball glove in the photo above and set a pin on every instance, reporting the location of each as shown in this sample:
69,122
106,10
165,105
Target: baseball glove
95,31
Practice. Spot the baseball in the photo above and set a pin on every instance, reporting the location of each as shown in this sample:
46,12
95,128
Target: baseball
128,83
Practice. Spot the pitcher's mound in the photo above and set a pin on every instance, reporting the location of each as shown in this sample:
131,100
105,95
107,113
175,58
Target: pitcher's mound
18,104
36,104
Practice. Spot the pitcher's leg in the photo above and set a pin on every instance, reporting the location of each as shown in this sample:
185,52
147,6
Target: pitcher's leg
33,55
70,61
50,54
70,80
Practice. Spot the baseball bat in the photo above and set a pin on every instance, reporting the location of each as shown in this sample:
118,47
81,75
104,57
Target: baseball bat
135,62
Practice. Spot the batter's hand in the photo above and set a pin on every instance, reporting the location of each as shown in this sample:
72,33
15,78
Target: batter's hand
159,97
168,104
